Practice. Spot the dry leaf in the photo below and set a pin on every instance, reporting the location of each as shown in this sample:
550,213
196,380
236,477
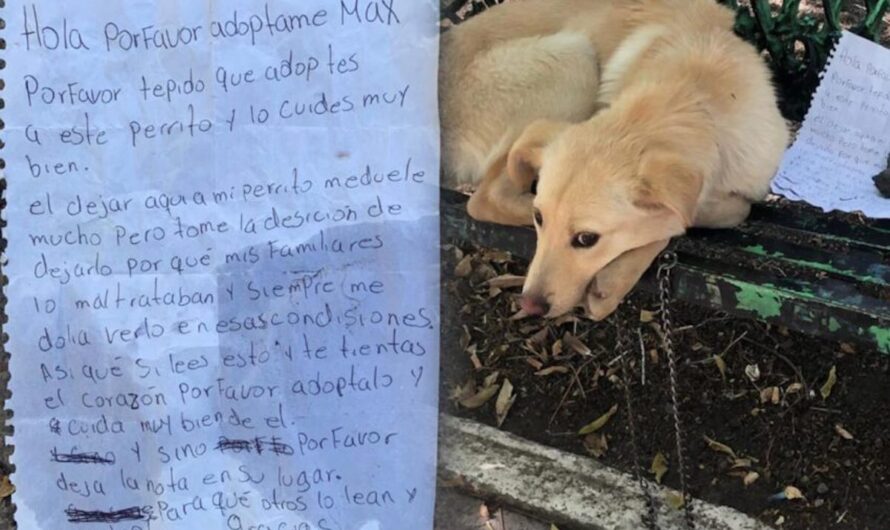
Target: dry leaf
497,256
461,392
646,316
721,365
465,338
844,433
556,349
675,499
519,315
846,347
505,281
536,364
471,350
596,444
753,372
598,423
770,394
539,337
505,400
829,383
464,267
792,493
750,478
552,370
7,488
484,272
553,527
741,462
491,378
575,344
659,466
720,448
480,398
793,388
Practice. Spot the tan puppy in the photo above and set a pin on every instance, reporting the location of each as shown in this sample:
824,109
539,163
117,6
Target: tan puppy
691,135
523,61
504,69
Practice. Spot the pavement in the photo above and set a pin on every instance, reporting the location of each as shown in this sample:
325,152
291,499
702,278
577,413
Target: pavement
558,486
459,511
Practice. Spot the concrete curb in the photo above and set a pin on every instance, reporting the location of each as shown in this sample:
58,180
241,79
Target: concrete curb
560,486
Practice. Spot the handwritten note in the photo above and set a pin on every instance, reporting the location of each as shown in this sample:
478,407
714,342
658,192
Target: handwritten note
223,263
845,138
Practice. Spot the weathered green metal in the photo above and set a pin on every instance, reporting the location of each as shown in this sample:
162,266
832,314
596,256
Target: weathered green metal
783,278
852,264
872,236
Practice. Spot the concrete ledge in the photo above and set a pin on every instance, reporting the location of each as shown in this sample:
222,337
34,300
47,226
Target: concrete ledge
559,486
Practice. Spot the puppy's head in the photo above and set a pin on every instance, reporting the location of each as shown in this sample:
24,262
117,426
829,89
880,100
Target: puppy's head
599,194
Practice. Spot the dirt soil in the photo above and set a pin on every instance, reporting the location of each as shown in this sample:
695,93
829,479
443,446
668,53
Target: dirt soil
758,402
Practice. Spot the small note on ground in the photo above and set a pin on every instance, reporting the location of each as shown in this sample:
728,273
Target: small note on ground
845,139
223,263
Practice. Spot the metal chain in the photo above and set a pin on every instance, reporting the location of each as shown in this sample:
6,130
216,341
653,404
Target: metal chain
650,519
666,263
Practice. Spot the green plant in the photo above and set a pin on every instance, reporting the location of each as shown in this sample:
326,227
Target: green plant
798,44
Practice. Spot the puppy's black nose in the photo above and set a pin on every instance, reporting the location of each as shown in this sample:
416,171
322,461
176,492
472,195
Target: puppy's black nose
534,305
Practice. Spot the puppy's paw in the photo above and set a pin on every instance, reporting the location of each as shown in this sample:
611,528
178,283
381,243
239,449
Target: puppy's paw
599,303
600,308
477,208
514,210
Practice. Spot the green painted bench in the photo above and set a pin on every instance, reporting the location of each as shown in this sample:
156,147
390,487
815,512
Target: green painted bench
818,274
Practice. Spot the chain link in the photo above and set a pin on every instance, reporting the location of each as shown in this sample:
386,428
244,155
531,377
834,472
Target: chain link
650,519
666,263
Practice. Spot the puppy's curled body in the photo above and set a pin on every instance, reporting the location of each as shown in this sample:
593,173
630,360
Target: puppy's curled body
488,101
687,81
638,119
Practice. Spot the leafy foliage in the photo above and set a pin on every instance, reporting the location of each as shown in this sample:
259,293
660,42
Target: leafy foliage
798,44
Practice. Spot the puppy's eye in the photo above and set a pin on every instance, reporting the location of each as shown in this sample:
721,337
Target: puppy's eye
585,240
539,219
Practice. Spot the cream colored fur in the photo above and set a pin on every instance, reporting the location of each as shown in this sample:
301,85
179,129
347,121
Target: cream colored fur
638,118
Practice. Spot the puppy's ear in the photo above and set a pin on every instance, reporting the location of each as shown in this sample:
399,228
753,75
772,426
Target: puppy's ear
669,184
524,160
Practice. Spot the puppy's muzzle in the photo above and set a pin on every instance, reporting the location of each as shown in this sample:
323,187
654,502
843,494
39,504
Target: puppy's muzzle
534,305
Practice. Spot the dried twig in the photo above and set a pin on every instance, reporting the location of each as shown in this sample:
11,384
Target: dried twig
733,343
